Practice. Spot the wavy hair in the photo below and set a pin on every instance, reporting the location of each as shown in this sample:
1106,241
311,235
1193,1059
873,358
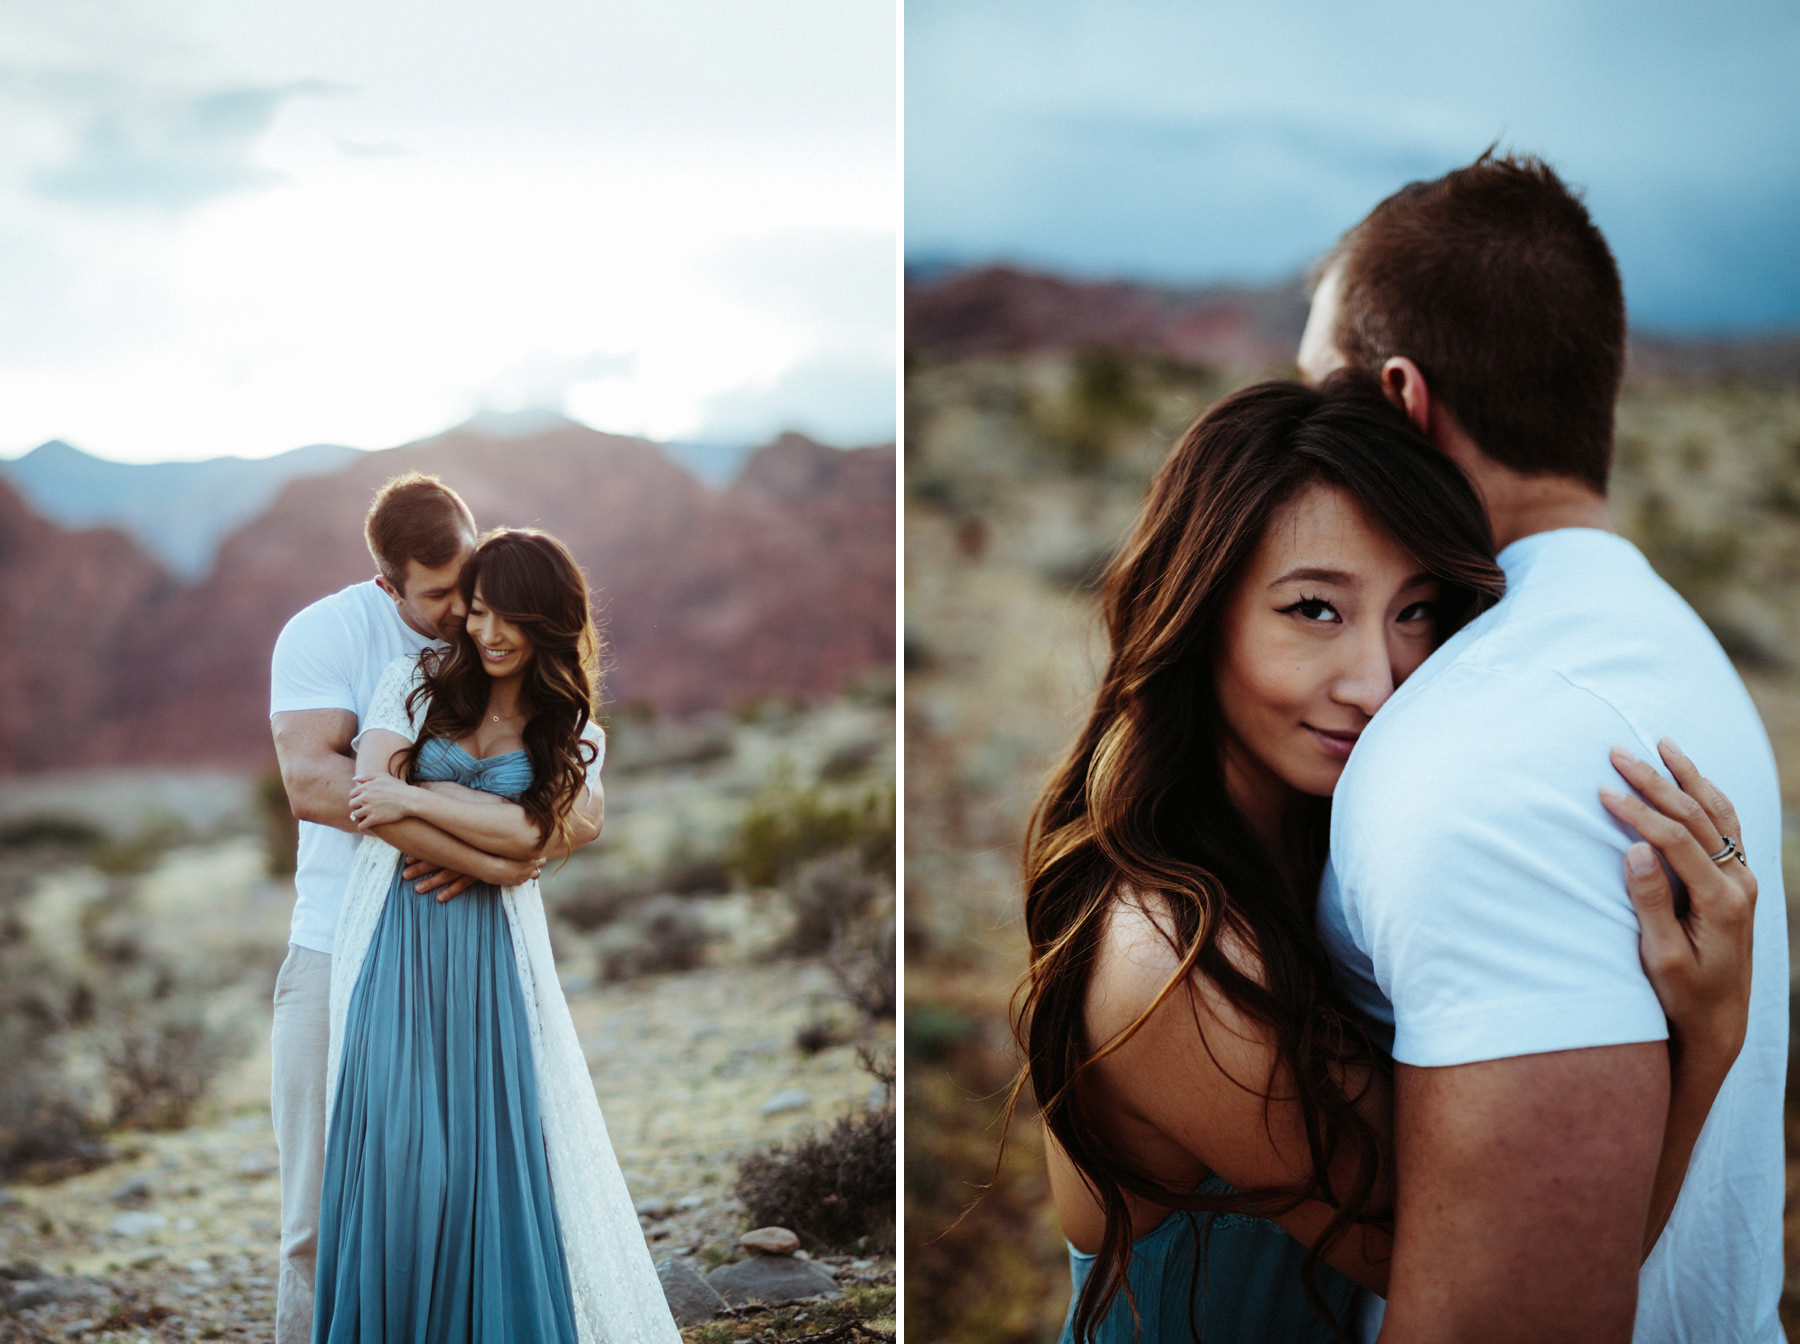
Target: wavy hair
529,578
1140,802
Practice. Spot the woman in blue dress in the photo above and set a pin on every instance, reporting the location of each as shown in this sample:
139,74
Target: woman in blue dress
1217,1116
470,1190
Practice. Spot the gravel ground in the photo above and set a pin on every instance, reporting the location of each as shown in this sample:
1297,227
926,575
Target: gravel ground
176,1240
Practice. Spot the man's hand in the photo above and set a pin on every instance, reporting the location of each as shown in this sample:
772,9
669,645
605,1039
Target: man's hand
426,878
449,885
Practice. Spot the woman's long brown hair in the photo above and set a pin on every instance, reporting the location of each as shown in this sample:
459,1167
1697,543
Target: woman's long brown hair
1140,803
529,578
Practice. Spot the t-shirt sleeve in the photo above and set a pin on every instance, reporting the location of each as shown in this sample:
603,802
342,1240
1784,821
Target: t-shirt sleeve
388,710
1486,883
315,663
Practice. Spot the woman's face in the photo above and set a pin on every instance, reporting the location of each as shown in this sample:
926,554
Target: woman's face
1327,618
503,647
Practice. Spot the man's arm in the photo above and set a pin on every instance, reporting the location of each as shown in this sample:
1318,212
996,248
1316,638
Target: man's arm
1522,1190
312,748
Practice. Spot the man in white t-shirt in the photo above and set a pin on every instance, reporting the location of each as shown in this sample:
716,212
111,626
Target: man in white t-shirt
1475,898
327,663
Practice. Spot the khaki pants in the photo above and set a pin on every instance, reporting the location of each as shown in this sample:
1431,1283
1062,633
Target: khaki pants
299,1040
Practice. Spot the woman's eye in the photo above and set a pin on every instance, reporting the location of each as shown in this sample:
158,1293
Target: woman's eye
1313,609
1419,611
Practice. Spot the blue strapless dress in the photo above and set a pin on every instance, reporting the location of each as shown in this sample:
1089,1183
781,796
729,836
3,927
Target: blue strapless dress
1247,1291
437,1223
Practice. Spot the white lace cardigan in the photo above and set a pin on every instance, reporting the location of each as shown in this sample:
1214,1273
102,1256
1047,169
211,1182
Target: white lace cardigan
618,1298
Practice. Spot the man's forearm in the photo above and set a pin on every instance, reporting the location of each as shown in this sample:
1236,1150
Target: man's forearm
318,791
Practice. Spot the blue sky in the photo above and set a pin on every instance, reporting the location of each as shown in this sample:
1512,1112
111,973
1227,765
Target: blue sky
238,229
1197,141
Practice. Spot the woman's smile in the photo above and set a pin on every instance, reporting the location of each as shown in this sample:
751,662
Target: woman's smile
505,649
1335,743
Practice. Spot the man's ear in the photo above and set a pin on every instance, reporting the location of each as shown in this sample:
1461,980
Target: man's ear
381,582
1405,387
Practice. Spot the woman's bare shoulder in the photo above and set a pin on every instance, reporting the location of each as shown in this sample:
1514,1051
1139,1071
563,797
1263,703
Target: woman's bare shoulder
1140,958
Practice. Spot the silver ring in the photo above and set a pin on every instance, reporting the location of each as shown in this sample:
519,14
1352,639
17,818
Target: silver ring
1730,852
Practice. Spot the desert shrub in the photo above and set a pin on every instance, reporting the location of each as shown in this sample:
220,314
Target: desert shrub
1105,398
50,832
281,831
828,895
160,1060
861,960
848,760
593,903
44,1127
821,1033
836,1191
687,873
784,826
589,900
666,935
43,1122
639,744
874,687
139,853
127,1006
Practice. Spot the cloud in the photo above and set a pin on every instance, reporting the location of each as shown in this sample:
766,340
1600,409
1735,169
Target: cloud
1174,197
833,277
354,149
542,382
130,146
837,398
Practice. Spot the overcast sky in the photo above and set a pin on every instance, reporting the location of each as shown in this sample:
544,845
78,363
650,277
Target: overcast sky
1201,140
241,228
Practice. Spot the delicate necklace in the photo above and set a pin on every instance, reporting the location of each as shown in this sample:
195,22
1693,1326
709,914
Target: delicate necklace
496,718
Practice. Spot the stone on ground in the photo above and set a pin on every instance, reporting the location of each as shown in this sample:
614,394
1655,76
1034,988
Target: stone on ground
772,1278
770,1241
691,1298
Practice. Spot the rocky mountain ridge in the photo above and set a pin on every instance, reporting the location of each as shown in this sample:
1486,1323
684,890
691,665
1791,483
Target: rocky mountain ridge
178,511
781,583
1236,330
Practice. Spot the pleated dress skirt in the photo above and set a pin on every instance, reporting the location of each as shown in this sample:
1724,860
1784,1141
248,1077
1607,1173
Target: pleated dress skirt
438,1221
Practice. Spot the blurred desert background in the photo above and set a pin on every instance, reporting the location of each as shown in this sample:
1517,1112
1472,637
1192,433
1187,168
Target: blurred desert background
727,946
1037,409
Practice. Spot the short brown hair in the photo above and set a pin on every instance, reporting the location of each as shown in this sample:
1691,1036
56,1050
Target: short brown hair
416,517
1495,282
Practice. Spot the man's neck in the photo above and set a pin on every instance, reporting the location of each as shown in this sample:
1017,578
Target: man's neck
1536,504
1522,506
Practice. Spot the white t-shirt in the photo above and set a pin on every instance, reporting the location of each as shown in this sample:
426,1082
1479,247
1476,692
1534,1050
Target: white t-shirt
1475,900
331,656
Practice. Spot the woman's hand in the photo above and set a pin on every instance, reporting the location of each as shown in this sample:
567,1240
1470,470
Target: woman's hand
378,800
1698,960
